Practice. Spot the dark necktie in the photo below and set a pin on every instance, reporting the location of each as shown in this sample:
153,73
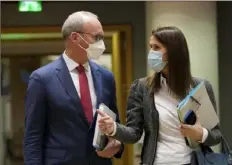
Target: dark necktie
85,94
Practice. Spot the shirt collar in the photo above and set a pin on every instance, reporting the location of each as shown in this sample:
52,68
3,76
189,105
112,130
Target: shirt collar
71,64
164,85
163,80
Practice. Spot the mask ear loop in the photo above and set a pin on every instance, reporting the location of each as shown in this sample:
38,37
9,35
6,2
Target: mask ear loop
166,62
84,41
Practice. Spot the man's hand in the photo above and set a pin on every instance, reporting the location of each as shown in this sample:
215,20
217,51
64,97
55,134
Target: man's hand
111,149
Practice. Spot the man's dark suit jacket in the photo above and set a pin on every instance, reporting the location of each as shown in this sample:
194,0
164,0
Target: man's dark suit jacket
56,129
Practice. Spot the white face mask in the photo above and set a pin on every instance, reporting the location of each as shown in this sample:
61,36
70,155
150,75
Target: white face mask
95,50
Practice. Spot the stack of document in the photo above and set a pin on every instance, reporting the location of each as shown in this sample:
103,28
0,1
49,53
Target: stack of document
100,140
199,102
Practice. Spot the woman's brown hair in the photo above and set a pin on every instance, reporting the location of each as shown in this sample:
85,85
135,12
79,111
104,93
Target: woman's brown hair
179,73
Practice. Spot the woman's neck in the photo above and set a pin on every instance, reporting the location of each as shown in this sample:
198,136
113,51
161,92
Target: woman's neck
164,75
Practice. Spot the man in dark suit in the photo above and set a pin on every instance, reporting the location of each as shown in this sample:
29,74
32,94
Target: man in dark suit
62,98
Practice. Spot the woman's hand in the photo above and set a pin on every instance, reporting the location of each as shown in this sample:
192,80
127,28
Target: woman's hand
194,132
106,123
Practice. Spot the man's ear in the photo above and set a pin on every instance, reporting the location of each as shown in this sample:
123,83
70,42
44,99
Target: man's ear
75,38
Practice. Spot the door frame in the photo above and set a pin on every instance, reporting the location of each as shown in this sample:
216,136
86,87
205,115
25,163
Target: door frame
34,34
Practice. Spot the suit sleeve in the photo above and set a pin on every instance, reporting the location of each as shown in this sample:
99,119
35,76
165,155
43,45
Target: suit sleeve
214,135
35,107
113,106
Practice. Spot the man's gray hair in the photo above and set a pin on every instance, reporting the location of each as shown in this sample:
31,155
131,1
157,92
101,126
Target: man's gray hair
75,21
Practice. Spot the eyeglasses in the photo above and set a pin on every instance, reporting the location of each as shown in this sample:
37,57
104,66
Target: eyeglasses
97,37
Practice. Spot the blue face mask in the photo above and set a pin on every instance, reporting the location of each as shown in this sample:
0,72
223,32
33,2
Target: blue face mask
155,61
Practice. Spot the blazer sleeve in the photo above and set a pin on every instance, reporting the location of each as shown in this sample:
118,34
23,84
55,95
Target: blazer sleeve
34,121
113,106
214,136
132,131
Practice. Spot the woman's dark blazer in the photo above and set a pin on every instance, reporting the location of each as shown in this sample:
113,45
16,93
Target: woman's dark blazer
143,115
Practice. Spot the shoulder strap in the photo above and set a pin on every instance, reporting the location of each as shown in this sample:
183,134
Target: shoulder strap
196,81
225,146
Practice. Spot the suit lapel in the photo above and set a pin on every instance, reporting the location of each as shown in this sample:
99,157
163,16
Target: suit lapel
67,83
97,80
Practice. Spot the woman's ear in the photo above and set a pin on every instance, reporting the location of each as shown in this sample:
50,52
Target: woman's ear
165,56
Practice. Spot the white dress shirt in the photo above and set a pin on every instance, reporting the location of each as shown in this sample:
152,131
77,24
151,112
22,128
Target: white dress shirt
72,65
171,146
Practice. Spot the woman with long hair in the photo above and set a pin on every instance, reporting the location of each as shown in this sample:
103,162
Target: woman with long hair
152,105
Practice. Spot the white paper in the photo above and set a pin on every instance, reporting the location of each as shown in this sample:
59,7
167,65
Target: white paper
98,135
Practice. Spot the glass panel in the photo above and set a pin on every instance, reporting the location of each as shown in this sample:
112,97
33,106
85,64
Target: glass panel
16,71
6,95
47,59
106,61
5,116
